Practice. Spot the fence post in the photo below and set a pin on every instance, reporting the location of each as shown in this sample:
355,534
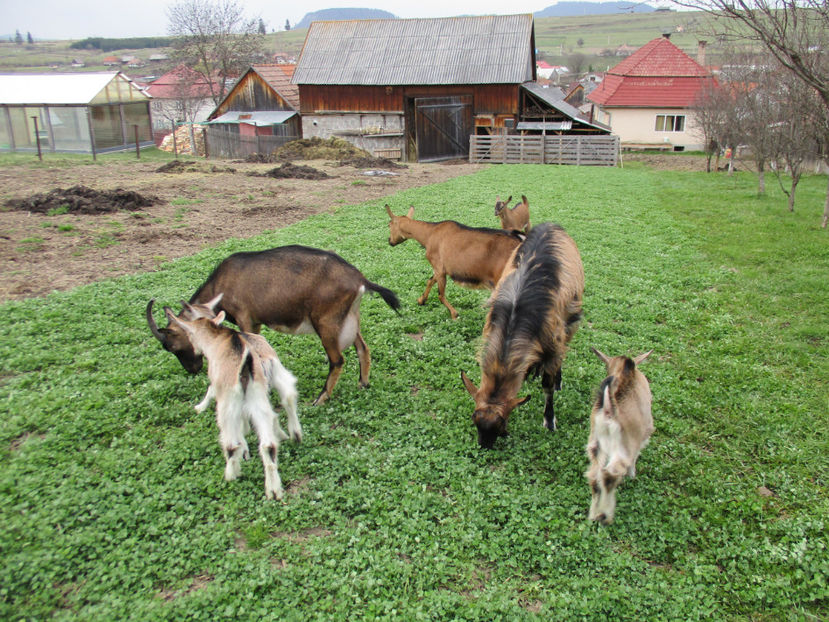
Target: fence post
578,151
137,148
204,137
37,139
175,143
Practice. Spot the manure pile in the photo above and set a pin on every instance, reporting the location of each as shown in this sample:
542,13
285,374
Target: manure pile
83,200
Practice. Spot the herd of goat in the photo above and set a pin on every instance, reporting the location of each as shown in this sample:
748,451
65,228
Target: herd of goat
537,279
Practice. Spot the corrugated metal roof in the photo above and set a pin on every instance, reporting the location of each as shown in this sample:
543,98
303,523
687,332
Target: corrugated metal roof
554,97
262,117
552,126
66,88
494,49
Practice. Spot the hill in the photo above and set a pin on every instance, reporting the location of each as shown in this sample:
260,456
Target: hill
571,9
341,14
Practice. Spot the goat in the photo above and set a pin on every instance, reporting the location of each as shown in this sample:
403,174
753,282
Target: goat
473,257
534,313
620,427
242,369
516,218
291,289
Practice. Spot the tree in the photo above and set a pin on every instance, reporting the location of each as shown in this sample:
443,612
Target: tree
795,32
577,62
262,30
29,38
287,25
213,38
18,38
713,114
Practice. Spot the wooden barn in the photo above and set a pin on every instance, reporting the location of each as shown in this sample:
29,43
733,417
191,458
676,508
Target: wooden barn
259,114
415,89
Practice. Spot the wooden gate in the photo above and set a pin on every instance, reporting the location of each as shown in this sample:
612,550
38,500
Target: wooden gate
442,127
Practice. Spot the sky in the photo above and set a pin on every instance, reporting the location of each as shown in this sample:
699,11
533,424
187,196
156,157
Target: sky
78,19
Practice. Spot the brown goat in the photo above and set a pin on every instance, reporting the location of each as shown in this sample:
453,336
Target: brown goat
620,427
291,289
516,218
473,257
534,312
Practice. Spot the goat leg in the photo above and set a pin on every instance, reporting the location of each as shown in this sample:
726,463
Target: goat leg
548,383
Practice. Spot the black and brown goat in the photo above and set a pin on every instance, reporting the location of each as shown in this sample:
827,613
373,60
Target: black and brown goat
621,425
473,257
291,289
513,218
534,312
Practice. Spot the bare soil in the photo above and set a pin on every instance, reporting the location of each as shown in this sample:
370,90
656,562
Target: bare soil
68,226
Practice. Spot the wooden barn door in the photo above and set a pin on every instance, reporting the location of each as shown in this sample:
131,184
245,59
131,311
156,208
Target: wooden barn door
442,127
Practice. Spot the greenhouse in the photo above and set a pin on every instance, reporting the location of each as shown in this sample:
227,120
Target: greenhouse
73,112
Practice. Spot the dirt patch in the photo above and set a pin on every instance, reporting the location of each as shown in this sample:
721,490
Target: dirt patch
289,170
368,161
42,251
82,200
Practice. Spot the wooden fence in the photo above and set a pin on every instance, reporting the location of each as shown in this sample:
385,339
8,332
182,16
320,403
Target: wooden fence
226,144
578,150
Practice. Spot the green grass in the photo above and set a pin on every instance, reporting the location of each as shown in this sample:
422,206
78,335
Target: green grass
113,505
69,160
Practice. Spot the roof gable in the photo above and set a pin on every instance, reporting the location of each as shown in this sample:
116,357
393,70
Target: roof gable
458,50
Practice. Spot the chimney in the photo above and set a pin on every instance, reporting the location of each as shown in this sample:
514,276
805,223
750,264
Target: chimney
666,35
701,52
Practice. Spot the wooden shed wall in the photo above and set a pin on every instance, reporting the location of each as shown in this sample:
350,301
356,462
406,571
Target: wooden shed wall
487,98
251,94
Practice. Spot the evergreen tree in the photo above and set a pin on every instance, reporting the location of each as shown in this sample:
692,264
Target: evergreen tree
287,25
29,38
262,29
18,38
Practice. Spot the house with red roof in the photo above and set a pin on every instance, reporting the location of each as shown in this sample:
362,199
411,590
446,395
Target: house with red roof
648,98
181,95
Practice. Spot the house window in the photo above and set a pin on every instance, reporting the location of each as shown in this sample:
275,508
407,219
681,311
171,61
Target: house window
670,123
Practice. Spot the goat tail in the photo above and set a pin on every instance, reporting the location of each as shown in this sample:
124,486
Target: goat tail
607,396
386,294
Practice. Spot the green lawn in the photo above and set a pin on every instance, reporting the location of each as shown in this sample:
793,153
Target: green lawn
113,504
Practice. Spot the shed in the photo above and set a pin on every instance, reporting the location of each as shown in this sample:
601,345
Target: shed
414,88
259,114
76,112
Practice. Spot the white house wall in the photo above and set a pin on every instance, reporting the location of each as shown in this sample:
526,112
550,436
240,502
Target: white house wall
638,126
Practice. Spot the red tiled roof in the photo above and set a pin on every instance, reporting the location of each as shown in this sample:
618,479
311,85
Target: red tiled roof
279,78
657,75
181,82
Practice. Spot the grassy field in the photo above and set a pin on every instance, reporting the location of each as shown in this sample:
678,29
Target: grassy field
113,506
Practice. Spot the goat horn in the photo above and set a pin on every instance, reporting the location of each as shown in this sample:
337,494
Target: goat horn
151,322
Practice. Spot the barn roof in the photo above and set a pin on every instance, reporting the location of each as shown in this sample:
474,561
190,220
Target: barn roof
495,49
657,75
554,98
68,88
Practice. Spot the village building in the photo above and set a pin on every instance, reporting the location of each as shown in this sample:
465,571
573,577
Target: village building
182,95
648,98
75,112
259,114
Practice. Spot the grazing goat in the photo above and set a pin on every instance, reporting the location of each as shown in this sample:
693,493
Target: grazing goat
473,257
534,312
291,289
516,218
243,368
620,427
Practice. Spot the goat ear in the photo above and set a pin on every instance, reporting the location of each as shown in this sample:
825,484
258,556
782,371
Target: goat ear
410,213
388,211
469,385
217,321
509,198
518,401
604,357
642,357
216,300
524,199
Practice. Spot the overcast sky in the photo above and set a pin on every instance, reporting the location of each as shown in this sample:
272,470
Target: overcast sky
78,19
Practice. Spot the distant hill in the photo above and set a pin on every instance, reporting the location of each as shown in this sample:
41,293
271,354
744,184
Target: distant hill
572,9
340,14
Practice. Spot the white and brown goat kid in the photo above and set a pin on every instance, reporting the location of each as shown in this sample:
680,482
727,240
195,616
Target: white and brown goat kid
620,427
513,218
243,368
